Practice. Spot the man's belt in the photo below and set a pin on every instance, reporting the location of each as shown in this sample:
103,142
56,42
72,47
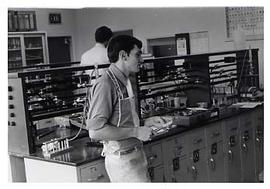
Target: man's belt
127,151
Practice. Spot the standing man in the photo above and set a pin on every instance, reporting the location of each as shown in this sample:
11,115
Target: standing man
112,117
98,54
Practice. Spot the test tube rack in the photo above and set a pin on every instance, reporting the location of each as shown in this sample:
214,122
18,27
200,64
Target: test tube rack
55,146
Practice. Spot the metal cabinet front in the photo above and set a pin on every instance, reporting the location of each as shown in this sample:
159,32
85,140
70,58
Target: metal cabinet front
175,159
247,147
215,155
153,153
258,125
197,167
156,174
231,146
93,173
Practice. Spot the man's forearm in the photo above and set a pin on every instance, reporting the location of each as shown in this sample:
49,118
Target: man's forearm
113,133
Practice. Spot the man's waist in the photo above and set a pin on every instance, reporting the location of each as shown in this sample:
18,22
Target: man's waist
122,146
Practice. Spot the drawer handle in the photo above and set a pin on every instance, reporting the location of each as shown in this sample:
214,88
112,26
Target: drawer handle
212,163
194,172
230,155
96,178
258,140
244,147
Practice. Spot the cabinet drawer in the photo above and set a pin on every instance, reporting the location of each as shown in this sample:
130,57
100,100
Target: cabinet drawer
94,173
153,154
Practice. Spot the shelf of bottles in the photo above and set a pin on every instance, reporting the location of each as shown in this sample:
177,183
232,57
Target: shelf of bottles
33,50
21,21
14,52
26,49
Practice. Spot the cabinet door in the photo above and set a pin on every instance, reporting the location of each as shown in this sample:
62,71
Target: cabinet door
231,146
247,147
197,170
197,167
174,155
156,174
181,174
34,49
93,173
153,153
15,56
258,134
215,155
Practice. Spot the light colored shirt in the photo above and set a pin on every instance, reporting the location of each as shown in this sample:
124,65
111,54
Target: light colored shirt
104,108
94,56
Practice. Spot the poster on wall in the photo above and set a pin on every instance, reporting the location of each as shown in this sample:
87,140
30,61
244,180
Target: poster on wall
182,46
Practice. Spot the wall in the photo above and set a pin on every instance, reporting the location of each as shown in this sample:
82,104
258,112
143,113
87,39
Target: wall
158,22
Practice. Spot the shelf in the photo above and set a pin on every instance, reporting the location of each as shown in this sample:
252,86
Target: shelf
14,49
15,60
29,59
34,48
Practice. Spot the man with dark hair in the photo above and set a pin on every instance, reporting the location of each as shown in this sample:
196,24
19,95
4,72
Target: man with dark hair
98,54
112,117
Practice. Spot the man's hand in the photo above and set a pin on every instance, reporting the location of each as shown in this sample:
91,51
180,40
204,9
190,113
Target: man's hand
143,133
158,121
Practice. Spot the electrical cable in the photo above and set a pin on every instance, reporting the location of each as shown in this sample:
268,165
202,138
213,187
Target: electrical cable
83,117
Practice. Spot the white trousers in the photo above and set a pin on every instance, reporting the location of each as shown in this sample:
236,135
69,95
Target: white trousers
131,167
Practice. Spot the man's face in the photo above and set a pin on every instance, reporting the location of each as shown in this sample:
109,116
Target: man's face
133,59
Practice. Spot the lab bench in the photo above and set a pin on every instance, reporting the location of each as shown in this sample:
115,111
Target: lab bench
224,148
229,149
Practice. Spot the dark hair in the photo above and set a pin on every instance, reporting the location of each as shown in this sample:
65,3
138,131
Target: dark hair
103,34
121,42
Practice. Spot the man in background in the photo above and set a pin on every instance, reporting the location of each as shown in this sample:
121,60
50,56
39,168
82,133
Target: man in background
98,54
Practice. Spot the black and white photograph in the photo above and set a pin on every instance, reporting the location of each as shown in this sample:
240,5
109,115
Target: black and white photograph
134,94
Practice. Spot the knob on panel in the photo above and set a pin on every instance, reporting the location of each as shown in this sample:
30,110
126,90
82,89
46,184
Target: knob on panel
10,88
11,106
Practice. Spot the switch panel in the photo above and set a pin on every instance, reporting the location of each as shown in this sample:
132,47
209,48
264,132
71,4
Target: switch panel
176,164
196,155
214,148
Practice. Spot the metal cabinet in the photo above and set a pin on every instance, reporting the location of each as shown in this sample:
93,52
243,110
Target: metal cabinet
27,48
153,154
156,174
257,118
93,173
247,147
175,159
214,153
231,147
196,169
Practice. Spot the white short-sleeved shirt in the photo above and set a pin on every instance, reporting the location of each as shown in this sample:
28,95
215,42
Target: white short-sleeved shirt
94,56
